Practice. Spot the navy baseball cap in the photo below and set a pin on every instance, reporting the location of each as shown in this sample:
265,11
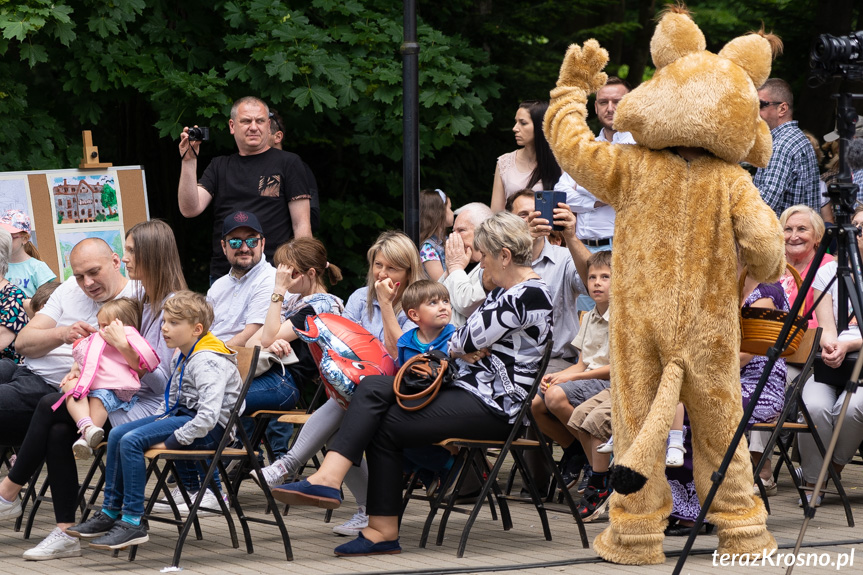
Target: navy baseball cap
241,220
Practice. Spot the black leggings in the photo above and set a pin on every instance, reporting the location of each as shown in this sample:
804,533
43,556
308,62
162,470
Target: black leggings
374,423
49,438
20,392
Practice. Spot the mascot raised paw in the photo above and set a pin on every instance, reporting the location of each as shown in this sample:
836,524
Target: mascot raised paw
686,211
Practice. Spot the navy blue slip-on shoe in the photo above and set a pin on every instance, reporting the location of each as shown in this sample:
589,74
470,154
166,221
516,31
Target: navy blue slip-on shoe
304,493
362,546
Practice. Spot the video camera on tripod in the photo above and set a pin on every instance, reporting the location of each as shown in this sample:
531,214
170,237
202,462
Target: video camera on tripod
836,56
840,57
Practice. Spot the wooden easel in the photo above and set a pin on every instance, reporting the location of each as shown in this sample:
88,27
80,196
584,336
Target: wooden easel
91,154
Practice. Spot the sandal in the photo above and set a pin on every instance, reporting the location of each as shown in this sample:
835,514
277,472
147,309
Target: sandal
674,456
675,529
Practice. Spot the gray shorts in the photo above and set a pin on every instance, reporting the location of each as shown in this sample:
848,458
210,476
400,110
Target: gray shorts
577,392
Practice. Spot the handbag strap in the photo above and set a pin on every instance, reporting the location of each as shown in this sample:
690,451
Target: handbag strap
431,391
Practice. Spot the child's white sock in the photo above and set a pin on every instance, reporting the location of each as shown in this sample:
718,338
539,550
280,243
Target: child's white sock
84,423
675,438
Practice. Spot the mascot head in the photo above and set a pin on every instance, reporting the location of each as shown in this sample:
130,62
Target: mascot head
699,99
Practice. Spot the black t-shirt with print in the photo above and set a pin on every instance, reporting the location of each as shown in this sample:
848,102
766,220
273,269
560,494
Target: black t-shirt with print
263,184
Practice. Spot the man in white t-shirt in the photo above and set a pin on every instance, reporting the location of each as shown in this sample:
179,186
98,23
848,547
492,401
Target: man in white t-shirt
46,342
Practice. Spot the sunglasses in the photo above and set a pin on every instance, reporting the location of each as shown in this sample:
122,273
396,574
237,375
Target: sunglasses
237,243
762,104
273,118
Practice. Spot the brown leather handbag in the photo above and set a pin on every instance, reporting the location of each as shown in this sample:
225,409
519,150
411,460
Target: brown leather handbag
422,376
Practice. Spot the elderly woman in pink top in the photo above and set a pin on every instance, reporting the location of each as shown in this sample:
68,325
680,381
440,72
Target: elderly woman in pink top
804,230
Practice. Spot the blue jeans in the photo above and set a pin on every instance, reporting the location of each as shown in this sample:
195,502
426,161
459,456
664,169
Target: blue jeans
126,468
272,390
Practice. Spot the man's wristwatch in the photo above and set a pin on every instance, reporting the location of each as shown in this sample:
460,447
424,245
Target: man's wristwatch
277,297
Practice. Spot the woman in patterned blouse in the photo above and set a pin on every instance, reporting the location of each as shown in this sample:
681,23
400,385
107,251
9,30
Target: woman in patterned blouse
12,314
499,350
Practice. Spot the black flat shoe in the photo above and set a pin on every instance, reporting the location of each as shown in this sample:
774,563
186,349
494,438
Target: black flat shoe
675,529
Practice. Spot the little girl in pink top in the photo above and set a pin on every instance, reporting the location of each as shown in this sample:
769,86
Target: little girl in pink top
107,371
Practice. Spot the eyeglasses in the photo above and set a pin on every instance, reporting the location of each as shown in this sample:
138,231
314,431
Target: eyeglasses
273,118
237,243
762,104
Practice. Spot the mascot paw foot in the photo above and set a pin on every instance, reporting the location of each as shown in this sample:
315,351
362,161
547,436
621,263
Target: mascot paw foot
629,549
626,481
746,541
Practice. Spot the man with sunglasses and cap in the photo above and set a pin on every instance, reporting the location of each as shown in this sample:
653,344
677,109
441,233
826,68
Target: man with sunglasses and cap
242,297
258,178
792,176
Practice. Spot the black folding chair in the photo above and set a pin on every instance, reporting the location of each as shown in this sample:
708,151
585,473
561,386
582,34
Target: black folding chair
471,458
809,349
30,493
209,461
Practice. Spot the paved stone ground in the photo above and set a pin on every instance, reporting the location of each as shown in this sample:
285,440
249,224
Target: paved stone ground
489,549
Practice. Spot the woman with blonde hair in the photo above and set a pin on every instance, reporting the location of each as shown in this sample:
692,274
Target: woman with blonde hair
804,230
499,348
394,264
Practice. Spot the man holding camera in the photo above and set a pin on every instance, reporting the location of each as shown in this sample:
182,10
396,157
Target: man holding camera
258,178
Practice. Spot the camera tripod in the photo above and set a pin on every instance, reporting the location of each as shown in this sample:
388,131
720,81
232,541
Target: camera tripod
843,196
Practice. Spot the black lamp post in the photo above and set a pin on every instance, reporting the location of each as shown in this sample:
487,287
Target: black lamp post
410,134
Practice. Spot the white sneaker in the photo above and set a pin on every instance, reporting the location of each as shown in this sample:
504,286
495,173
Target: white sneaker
274,474
55,546
209,500
93,435
354,525
81,450
160,507
674,456
607,447
10,510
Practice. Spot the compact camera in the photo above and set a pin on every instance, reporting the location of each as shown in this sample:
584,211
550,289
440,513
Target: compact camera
197,134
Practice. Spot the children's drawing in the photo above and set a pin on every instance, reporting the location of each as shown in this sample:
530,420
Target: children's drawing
80,198
66,240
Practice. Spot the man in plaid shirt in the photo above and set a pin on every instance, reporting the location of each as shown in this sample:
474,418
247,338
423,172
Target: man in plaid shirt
792,176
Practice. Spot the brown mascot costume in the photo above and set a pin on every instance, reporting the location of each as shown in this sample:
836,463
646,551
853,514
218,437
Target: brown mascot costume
686,211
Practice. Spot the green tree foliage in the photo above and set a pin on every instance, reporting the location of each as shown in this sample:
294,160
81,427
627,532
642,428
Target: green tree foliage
136,71
332,69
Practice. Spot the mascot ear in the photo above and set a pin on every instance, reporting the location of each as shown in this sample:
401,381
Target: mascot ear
676,36
759,155
754,53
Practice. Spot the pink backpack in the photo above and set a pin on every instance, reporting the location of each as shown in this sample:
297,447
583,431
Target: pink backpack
109,364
